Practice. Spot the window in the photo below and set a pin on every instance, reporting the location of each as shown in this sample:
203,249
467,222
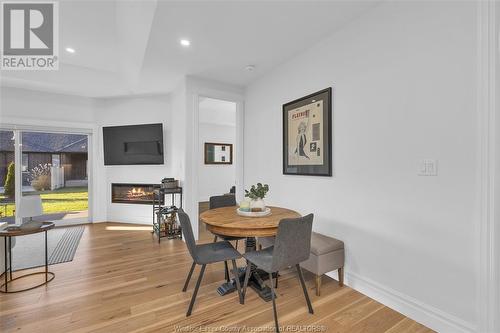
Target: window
25,162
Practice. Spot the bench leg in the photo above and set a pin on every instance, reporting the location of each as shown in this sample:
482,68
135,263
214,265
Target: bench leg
341,276
318,285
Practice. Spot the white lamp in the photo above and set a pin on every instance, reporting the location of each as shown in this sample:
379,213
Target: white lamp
30,206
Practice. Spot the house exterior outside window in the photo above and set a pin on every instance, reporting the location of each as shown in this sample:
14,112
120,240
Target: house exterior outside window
56,160
25,162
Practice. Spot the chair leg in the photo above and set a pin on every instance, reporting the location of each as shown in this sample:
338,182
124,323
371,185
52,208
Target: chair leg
195,292
236,244
226,272
189,277
318,285
276,283
273,297
237,278
341,276
215,239
245,282
301,278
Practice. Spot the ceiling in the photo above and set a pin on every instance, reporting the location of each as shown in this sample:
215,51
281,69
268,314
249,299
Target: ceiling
132,47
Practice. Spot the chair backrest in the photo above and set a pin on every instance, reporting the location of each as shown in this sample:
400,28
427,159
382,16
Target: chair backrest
219,201
293,242
30,206
187,231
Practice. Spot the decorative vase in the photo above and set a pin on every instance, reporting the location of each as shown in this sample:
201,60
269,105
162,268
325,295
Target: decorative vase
257,205
245,205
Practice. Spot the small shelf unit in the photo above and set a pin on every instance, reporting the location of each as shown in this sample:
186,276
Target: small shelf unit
165,224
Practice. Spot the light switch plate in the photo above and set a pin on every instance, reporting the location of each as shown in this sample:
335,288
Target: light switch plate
427,167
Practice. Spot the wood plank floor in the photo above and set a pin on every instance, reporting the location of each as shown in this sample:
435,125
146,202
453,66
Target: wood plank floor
122,280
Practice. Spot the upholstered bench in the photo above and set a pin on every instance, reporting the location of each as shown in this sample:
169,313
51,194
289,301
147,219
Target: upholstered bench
327,254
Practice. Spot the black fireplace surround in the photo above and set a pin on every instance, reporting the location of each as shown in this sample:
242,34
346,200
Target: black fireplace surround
142,194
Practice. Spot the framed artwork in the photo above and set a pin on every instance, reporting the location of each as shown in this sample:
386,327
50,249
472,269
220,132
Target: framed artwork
218,153
307,135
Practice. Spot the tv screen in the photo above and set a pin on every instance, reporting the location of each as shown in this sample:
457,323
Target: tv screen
135,144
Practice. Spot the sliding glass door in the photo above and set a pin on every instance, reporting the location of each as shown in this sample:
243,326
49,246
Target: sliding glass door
7,176
51,165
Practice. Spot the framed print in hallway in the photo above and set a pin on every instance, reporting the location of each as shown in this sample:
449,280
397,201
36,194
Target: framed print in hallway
307,135
218,153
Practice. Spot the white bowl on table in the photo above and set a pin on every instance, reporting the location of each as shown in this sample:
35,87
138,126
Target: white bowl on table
265,212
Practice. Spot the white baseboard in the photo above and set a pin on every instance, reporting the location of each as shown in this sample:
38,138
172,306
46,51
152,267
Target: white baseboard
70,222
425,314
137,219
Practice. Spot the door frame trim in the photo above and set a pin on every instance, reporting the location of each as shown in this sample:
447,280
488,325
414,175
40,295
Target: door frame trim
195,90
488,231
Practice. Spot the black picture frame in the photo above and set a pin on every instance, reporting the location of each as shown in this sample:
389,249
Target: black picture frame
325,144
210,146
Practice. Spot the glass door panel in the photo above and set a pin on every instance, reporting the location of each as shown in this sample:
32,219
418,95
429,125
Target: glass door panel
7,176
55,167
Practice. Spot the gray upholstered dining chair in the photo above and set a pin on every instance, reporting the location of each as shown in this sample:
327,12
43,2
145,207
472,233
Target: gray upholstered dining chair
219,201
205,254
291,247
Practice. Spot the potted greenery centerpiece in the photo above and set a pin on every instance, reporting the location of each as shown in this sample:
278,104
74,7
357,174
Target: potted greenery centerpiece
256,194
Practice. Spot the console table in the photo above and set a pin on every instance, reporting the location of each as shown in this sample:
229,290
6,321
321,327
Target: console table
7,235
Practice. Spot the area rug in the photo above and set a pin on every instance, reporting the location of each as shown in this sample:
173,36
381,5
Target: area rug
29,251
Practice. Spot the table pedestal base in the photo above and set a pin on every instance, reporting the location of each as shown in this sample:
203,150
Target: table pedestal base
256,280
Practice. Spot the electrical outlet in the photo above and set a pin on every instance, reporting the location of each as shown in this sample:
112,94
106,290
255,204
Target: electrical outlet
427,167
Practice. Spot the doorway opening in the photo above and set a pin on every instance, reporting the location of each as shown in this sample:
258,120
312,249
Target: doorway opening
217,150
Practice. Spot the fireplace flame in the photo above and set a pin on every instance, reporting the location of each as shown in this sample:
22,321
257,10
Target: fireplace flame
136,192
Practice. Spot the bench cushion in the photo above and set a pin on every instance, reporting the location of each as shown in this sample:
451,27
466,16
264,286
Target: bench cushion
321,244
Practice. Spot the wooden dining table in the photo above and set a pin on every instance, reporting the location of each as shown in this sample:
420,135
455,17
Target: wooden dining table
226,221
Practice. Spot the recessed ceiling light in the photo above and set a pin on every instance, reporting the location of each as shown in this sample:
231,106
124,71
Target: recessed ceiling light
185,42
70,50
250,68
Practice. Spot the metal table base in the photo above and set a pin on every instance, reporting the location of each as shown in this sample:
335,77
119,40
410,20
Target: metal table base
4,288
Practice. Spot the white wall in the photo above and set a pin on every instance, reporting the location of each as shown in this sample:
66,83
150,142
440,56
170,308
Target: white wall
27,105
404,83
215,179
133,111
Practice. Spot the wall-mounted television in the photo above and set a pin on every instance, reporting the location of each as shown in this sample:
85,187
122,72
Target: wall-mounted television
134,144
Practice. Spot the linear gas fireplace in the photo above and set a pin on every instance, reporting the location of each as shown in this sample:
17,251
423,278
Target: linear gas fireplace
133,193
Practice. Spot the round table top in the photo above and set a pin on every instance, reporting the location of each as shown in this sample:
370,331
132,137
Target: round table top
21,232
225,221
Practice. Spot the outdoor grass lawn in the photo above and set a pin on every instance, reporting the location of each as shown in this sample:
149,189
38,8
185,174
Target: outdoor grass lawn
61,200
